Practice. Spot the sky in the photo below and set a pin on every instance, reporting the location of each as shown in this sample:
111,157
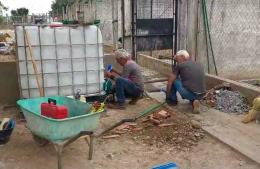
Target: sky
34,6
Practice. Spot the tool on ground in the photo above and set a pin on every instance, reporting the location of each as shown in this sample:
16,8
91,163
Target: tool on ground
166,166
34,64
144,113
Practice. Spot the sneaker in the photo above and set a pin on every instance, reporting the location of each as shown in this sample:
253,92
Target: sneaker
110,99
171,102
120,106
134,100
196,107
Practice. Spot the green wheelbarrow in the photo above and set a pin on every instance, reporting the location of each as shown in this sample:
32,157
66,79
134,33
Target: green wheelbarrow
60,132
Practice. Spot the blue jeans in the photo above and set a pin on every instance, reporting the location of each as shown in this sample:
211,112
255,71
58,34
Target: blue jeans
185,93
126,88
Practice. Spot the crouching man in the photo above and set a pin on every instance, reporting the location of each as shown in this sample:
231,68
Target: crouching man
187,78
129,82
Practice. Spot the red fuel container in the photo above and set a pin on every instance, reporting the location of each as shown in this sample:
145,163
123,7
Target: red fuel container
51,110
60,112
46,109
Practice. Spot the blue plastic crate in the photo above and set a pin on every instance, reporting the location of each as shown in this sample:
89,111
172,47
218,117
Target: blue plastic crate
166,166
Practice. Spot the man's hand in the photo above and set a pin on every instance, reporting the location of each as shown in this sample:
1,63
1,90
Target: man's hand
108,74
116,72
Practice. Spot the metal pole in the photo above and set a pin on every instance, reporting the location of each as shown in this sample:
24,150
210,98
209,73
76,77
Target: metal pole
17,63
39,34
133,29
26,60
197,22
85,54
176,26
56,57
71,62
123,22
99,78
151,49
115,22
91,141
59,148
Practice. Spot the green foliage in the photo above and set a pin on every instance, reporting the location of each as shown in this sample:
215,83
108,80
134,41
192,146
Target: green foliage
1,19
2,7
20,12
58,5
14,13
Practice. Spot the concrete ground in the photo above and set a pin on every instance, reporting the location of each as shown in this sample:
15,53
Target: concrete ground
122,152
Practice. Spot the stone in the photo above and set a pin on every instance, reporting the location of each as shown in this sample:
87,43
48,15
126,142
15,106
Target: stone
197,134
195,124
110,156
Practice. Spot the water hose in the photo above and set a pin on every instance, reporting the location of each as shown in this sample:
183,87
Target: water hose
208,35
141,114
205,32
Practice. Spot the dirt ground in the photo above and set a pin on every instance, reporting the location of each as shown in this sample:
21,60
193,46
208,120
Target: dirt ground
7,58
124,152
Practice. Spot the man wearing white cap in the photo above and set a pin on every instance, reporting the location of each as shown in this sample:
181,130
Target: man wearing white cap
187,78
129,82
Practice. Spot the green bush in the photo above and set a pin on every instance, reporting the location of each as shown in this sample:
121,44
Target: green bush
2,19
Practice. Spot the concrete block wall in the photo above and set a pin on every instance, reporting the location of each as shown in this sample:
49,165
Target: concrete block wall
9,90
154,64
235,36
234,27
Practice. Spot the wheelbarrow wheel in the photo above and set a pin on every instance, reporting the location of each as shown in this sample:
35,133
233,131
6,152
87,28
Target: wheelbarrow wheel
40,141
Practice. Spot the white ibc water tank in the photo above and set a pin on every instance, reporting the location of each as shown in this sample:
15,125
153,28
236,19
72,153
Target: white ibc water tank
67,59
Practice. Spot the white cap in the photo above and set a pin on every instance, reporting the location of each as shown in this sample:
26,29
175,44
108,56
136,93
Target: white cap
122,53
183,53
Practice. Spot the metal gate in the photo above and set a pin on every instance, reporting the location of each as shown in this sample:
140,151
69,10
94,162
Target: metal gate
154,25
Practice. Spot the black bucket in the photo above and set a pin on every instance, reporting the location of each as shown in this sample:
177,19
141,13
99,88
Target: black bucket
5,135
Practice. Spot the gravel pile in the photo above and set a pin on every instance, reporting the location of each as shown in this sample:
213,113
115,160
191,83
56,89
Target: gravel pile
231,102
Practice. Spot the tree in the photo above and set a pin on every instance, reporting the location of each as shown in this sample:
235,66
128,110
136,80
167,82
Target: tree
1,19
2,7
14,13
19,15
57,7
22,11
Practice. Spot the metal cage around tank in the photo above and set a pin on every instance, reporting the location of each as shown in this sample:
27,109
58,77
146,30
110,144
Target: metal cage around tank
68,58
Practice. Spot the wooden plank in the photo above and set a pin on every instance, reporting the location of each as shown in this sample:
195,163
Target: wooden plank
245,138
